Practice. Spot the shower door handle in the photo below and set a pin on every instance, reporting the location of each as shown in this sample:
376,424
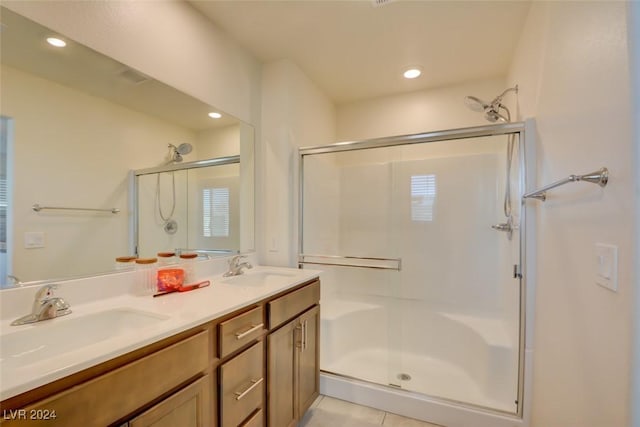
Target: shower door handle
517,274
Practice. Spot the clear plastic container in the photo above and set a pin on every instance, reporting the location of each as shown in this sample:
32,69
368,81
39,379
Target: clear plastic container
146,272
125,263
166,258
187,261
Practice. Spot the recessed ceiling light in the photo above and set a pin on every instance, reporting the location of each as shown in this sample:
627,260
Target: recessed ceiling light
215,115
412,73
54,41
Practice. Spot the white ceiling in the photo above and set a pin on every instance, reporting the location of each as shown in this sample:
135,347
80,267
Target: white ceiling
353,50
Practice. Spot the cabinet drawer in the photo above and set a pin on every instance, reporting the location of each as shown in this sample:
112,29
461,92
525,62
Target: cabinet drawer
290,305
240,330
255,420
188,407
103,400
241,386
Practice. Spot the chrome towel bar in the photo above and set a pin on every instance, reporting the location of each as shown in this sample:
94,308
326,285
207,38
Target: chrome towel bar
352,261
600,177
39,208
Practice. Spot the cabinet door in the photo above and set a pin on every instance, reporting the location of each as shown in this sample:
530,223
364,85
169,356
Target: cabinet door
281,348
308,360
188,407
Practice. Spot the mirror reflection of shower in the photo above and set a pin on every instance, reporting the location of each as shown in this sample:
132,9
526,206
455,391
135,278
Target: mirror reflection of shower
176,153
174,156
496,111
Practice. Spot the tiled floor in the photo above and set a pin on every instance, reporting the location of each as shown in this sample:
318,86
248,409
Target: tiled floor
329,412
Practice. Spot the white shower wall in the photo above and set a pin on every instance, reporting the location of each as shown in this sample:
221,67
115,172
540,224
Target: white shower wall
361,206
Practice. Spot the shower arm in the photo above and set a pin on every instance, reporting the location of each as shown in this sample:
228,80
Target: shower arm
498,98
600,177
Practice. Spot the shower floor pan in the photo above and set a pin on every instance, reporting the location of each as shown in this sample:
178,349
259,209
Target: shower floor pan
429,376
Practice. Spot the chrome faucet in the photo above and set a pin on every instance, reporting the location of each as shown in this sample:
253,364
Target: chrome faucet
45,306
235,266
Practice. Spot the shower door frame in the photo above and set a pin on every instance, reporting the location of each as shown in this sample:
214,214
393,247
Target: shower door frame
525,155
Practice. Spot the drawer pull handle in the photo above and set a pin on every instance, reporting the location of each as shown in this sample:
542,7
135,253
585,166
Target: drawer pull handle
252,329
254,384
300,345
304,336
302,327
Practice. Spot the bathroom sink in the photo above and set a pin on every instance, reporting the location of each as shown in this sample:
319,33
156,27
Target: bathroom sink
50,338
258,278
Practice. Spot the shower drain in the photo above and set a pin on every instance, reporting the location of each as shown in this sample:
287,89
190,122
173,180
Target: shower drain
403,377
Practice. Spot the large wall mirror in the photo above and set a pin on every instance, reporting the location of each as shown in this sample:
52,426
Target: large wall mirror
76,126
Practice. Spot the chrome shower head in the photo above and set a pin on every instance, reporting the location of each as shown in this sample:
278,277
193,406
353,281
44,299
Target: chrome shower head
184,148
475,104
491,109
176,153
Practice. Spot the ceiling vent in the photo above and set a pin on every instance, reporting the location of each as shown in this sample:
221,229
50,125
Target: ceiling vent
133,76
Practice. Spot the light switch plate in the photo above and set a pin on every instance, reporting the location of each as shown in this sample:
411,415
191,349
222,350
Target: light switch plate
33,239
273,247
607,266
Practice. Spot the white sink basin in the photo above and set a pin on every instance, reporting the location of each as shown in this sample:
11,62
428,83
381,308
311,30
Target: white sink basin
258,278
50,338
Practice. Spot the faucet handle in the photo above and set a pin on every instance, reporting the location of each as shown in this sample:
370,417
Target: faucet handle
45,292
236,259
42,295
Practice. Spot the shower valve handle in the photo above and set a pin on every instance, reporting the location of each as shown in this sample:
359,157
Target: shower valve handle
505,226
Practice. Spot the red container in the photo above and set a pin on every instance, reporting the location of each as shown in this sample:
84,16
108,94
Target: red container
170,279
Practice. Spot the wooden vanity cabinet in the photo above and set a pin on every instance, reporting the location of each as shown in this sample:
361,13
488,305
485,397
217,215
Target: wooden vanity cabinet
293,367
157,383
256,367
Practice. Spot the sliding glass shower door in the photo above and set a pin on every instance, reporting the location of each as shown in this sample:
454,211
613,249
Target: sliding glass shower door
419,244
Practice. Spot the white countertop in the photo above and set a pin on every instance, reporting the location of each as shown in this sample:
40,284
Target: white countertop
183,311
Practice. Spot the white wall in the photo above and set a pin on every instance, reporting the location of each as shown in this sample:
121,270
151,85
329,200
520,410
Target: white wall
572,68
634,50
218,142
295,113
414,112
167,40
73,149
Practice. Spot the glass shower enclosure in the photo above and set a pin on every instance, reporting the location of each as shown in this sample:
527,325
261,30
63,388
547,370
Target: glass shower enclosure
420,245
